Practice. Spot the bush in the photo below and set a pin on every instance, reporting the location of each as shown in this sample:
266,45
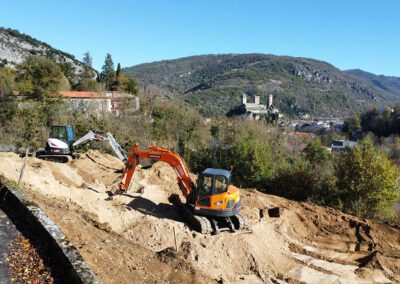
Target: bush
316,153
175,126
367,182
89,85
40,77
250,162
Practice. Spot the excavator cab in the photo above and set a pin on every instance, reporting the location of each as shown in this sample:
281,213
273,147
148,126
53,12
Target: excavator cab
64,133
215,195
58,145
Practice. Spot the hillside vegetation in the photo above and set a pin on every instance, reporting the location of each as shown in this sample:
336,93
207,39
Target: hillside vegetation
214,83
385,84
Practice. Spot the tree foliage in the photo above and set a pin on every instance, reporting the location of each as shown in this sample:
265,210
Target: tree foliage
87,71
367,181
89,85
7,86
40,77
381,123
69,71
126,84
7,82
107,75
86,78
175,125
315,152
250,161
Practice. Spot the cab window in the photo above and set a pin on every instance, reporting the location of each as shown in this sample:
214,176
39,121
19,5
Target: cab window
206,186
59,133
221,184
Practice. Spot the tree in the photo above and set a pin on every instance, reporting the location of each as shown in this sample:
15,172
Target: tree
89,86
172,123
352,124
107,74
118,76
7,86
28,125
130,85
69,71
87,71
118,73
40,77
251,161
315,153
87,82
108,66
124,83
7,82
367,181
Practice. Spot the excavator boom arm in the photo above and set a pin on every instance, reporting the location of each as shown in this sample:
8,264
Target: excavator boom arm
90,136
185,182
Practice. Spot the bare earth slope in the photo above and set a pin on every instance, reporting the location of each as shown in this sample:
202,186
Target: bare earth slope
129,239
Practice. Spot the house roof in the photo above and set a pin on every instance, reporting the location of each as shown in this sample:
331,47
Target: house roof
81,95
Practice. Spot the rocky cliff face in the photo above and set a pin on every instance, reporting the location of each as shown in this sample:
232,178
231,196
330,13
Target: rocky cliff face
15,47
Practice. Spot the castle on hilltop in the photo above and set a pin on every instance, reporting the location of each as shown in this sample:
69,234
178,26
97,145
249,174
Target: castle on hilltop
256,110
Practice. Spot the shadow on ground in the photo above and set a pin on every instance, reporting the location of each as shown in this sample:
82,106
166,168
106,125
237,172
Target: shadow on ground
161,210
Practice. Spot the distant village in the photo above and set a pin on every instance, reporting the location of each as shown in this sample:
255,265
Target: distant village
256,110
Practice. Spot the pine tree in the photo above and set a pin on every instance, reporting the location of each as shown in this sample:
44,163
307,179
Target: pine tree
119,71
87,72
107,75
87,80
87,59
118,77
108,66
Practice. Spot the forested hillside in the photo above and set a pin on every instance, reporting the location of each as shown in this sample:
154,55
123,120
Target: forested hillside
214,83
385,84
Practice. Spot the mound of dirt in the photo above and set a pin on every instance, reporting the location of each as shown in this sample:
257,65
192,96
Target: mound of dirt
135,232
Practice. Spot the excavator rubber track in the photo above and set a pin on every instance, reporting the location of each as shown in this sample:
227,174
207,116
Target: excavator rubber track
199,223
208,225
239,222
55,158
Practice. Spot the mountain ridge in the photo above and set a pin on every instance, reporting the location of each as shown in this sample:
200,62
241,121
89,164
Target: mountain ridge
383,82
213,83
300,85
15,47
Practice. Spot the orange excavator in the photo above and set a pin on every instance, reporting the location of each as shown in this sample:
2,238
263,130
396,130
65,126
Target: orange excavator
212,205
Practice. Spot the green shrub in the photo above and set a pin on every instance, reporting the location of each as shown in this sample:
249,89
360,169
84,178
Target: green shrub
40,77
367,182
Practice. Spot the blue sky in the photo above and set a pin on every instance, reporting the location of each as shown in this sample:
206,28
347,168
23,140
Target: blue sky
349,34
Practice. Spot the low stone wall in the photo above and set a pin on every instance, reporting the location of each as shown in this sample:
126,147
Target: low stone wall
47,232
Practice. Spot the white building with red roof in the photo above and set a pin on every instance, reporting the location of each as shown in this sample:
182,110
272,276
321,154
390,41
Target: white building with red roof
94,102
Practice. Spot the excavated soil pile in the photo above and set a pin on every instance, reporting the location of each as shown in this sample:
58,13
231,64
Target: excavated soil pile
131,238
